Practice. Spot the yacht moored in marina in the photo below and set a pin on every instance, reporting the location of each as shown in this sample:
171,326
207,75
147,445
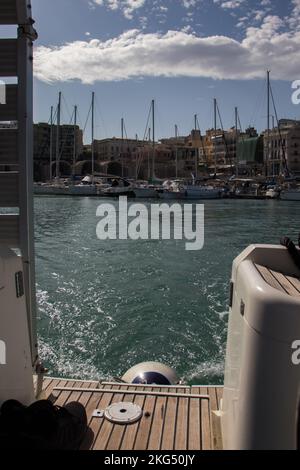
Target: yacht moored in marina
145,192
172,190
195,192
290,194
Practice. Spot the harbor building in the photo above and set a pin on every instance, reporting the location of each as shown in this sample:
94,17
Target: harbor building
250,156
283,149
45,144
115,148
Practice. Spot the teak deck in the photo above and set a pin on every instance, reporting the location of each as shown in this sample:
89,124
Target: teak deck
288,284
174,418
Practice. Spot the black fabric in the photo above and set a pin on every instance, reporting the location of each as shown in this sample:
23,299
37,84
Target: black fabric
291,247
42,426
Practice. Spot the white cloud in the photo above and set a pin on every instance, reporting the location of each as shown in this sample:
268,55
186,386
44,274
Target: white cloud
126,6
176,53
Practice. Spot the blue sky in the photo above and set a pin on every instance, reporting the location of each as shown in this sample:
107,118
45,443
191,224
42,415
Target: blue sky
182,53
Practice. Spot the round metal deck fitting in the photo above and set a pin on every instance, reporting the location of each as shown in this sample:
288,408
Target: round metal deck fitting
123,413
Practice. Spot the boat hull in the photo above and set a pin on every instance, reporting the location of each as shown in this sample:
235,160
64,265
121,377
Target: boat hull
169,195
145,193
290,196
196,194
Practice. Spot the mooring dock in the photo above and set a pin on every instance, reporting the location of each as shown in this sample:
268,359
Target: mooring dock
174,417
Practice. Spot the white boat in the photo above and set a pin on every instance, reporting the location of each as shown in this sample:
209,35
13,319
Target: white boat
261,405
290,195
172,190
202,192
272,193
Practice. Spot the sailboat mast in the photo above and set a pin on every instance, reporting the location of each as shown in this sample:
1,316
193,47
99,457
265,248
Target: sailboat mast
236,140
268,120
215,125
149,150
58,136
176,149
122,146
153,139
93,131
75,139
196,148
51,142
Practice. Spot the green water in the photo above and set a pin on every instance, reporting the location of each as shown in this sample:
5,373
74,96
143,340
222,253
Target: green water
107,305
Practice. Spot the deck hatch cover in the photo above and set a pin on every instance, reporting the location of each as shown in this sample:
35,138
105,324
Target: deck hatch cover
123,413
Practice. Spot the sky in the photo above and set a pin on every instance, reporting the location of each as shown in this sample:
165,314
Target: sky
182,53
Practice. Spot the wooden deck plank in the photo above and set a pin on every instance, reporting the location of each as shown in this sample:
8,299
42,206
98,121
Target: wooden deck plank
206,437
64,396
143,434
176,420
157,423
181,433
169,429
269,278
131,431
50,385
295,282
215,419
286,284
116,436
95,424
194,431
103,436
219,392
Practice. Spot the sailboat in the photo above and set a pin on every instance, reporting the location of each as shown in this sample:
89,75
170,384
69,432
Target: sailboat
290,194
145,190
197,191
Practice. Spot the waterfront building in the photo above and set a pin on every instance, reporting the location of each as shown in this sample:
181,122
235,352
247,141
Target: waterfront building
283,149
250,156
42,148
115,148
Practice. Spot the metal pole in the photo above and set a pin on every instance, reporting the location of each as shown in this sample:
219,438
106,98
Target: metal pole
122,147
75,140
196,148
149,146
215,124
153,139
176,149
236,141
51,143
268,120
58,136
25,145
93,130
